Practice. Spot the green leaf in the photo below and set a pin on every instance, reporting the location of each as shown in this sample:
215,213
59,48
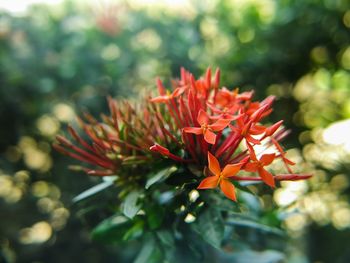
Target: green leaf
92,191
181,177
255,225
274,218
218,201
209,225
160,176
155,216
112,229
166,197
250,200
135,231
267,256
167,241
166,237
130,205
149,253
245,186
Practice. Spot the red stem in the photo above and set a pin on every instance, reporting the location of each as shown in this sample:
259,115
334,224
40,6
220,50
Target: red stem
279,177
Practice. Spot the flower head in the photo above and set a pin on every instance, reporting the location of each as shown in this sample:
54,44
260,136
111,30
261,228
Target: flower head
197,123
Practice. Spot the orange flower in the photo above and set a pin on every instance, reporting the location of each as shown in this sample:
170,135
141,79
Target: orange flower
282,154
258,165
207,129
224,113
221,177
227,98
168,96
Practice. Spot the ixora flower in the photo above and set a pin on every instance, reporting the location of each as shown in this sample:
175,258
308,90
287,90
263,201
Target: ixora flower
207,129
196,124
221,177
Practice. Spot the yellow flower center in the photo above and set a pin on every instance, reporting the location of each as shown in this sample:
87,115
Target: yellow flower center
205,127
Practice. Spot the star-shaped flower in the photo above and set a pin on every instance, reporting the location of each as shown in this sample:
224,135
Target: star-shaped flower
257,165
207,129
220,177
168,96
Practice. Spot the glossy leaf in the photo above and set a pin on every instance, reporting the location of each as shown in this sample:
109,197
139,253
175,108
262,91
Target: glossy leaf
135,231
255,225
155,216
149,253
112,229
130,205
146,252
245,256
181,177
160,176
167,241
93,191
210,227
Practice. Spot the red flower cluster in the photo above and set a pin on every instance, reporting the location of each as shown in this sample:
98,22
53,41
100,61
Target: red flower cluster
197,123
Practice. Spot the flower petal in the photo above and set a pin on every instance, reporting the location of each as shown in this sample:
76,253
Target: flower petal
251,152
240,122
287,161
213,108
266,159
164,98
202,117
250,167
220,124
251,139
257,129
209,137
178,91
267,177
213,164
231,169
209,182
271,130
195,130
228,189
234,129
257,115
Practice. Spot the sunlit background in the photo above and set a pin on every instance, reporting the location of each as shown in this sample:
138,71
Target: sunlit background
59,58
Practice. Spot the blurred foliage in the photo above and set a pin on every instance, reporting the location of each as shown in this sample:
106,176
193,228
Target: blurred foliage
77,54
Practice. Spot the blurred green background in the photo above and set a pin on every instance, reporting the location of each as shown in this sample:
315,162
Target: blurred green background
60,59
